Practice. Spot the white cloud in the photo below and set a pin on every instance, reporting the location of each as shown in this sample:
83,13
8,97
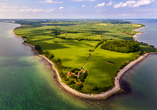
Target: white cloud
133,3
50,1
3,3
72,7
83,0
100,5
61,8
83,5
110,3
35,10
25,7
9,7
8,10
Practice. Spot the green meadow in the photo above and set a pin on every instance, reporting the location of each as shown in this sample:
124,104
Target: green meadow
63,39
101,71
72,53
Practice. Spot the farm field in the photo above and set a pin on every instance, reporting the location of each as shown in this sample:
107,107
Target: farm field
72,53
71,44
101,70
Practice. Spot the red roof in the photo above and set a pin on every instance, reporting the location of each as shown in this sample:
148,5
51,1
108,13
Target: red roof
79,83
84,71
69,73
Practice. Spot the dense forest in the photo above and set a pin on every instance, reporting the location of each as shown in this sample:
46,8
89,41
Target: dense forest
121,46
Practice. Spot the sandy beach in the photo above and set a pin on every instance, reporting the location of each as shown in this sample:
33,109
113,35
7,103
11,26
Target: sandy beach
106,94
134,37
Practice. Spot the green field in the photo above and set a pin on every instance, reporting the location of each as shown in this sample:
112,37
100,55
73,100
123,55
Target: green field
71,52
101,71
62,38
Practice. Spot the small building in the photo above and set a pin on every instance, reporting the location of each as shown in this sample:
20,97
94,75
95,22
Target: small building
79,83
69,73
83,71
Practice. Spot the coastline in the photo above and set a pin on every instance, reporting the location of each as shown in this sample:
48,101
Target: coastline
106,94
136,36
137,33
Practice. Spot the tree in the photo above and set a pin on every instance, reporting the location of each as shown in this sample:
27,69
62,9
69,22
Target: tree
95,88
83,76
141,52
51,56
38,48
78,86
47,53
72,82
121,46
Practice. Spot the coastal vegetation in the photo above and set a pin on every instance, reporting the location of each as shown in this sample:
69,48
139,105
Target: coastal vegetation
87,53
121,46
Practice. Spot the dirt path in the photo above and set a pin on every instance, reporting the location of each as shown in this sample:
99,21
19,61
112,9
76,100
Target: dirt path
88,59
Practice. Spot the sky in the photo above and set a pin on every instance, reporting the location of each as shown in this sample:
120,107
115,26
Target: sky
77,9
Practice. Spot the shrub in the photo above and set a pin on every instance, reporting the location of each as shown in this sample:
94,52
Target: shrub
47,53
75,70
78,86
24,37
95,88
106,88
38,48
51,56
83,76
55,41
72,82
141,52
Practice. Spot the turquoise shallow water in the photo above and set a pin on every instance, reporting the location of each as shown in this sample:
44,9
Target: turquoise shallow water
27,81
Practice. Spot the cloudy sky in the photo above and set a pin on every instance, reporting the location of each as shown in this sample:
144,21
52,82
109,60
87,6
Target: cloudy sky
61,9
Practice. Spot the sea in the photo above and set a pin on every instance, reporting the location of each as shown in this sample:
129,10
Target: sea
27,81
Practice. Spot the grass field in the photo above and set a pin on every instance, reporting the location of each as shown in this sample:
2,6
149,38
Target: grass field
102,66
72,53
79,35
34,34
100,71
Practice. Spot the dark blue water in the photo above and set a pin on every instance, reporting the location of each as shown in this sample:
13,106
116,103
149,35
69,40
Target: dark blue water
149,34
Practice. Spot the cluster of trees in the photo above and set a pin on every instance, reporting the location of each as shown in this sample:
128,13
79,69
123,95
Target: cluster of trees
116,21
24,37
72,32
101,42
95,88
57,32
77,38
58,63
49,55
142,43
78,86
128,32
83,76
121,46
38,48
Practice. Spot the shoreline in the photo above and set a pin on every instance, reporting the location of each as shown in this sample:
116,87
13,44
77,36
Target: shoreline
137,33
106,94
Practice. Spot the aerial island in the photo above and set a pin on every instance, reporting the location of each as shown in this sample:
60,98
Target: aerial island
87,55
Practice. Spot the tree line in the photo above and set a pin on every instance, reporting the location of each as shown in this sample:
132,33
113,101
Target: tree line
121,46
